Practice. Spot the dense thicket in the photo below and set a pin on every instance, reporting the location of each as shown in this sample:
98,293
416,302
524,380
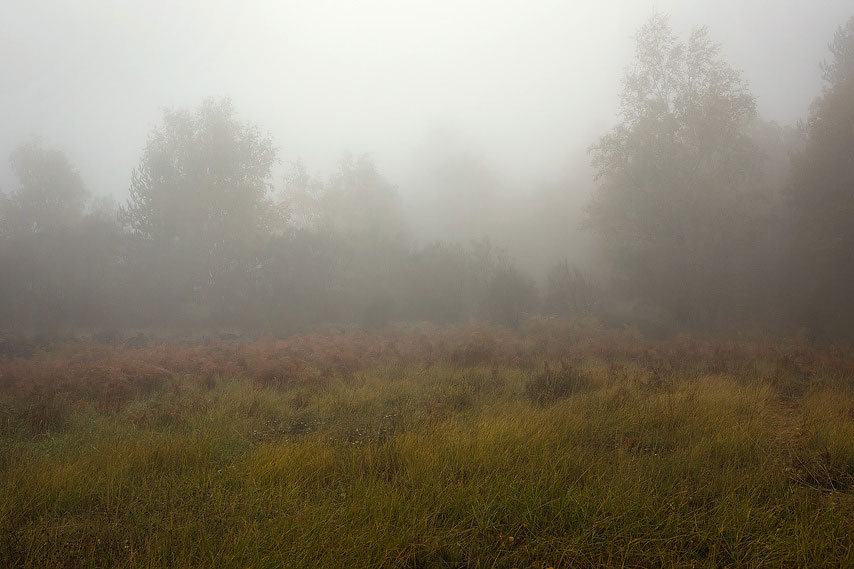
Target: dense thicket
709,218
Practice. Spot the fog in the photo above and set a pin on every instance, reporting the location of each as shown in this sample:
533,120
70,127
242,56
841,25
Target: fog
481,115
523,85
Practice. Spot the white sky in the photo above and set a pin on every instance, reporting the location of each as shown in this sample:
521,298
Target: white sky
528,84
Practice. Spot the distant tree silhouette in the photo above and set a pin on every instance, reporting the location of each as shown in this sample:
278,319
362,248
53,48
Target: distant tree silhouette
673,205
204,176
356,200
821,193
50,193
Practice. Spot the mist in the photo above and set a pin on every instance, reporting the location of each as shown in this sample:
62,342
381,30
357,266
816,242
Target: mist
427,284
475,125
523,87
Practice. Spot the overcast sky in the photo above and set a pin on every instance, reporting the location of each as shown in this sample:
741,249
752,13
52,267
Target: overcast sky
529,84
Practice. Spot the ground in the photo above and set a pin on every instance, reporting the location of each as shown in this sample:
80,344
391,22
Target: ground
559,445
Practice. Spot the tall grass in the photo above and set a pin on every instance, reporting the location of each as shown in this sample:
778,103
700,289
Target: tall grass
614,454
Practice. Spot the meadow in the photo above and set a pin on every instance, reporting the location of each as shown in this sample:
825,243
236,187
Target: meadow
557,445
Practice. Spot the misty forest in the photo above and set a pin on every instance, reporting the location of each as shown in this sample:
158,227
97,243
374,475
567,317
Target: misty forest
241,357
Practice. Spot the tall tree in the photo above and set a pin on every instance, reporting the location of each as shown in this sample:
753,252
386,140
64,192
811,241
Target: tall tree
356,201
204,176
59,265
673,205
50,195
821,193
840,69
200,201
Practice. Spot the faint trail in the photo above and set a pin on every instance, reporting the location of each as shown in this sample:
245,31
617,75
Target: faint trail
804,466
788,414
788,435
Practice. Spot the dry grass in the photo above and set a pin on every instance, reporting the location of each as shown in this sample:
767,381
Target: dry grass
558,446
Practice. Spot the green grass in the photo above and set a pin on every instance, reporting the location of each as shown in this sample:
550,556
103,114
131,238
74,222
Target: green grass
439,465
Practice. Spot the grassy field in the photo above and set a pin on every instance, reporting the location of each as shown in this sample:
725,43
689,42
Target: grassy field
556,446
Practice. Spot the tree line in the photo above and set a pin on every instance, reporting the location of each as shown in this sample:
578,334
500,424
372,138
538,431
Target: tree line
709,218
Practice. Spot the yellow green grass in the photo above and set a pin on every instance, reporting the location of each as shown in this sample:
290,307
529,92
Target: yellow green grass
440,465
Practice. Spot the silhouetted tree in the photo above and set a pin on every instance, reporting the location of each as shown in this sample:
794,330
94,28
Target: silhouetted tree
200,200
569,294
356,201
822,199
673,205
60,266
50,192
510,295
840,69
204,176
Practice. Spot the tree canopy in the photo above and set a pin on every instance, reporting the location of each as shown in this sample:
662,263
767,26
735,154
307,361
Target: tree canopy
204,176
821,191
355,200
50,194
672,202
840,68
